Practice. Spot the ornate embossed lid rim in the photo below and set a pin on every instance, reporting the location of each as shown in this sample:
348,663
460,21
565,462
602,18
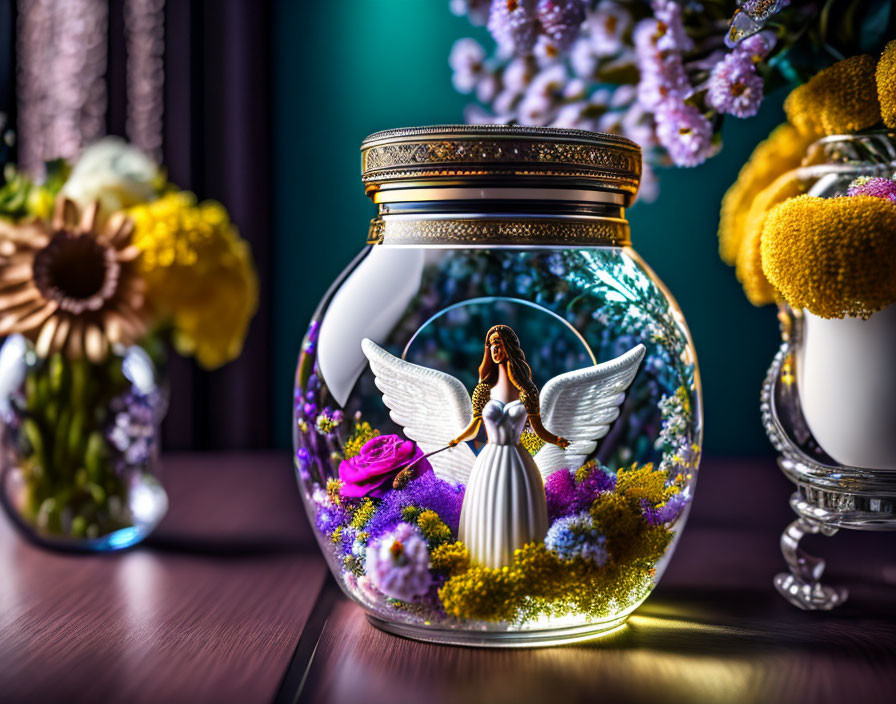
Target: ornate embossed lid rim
442,132
483,153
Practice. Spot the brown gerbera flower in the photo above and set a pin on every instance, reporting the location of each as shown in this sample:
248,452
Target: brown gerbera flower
72,284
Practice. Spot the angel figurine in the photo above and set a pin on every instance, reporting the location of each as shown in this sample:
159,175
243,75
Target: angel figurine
504,504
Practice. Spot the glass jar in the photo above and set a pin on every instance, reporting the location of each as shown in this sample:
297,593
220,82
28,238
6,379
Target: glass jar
80,447
497,406
829,399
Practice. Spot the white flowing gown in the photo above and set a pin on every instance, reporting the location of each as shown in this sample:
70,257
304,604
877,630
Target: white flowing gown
504,505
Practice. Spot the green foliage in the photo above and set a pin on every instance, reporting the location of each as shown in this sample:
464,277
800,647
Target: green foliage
71,486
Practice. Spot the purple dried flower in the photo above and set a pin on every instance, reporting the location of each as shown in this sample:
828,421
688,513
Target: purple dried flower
330,517
514,25
560,491
734,86
547,51
671,34
757,46
466,59
398,563
685,133
607,25
427,492
519,74
875,186
561,20
583,59
566,496
475,10
577,536
597,481
662,78
667,513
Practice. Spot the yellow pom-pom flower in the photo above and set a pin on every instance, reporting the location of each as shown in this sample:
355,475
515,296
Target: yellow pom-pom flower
781,152
832,256
886,84
840,99
199,274
749,260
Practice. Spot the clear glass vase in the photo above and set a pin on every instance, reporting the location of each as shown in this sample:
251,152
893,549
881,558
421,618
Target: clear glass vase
80,447
829,400
431,461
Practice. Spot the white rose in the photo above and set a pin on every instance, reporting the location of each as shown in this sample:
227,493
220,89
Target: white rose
113,172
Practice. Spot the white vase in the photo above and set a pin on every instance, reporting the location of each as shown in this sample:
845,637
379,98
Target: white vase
846,377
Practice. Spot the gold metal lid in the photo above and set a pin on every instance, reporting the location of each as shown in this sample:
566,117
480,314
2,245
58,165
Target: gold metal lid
507,155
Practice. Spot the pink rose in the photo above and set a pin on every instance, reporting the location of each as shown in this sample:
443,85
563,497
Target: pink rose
372,471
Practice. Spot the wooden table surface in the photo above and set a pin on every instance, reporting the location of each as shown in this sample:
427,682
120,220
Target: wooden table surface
230,602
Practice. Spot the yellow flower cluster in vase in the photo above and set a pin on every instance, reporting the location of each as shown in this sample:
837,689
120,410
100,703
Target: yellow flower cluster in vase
198,273
799,255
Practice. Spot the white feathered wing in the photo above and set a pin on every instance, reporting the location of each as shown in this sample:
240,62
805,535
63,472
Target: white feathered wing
431,406
581,405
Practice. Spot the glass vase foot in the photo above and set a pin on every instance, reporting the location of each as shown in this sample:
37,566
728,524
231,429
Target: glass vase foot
126,522
503,638
801,585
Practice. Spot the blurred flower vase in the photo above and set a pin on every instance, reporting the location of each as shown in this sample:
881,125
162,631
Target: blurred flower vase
100,263
80,446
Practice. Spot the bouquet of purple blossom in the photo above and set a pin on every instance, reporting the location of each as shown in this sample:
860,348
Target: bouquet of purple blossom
663,73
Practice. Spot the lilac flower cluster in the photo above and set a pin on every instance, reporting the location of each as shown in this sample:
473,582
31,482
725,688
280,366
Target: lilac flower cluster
663,80
517,25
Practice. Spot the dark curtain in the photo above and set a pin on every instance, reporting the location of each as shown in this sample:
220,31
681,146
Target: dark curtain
216,143
7,77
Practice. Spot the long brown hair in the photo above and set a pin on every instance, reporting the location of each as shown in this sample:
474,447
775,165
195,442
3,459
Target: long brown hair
517,368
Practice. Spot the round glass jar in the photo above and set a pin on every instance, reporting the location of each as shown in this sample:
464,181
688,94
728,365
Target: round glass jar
497,407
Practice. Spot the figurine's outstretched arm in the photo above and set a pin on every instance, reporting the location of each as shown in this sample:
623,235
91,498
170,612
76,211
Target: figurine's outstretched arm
545,434
468,433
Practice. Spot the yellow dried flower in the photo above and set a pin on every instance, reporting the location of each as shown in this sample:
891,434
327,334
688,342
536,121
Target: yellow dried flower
433,528
840,99
199,274
450,558
637,483
539,583
333,488
361,434
749,263
409,514
619,519
832,256
886,84
336,537
363,514
782,151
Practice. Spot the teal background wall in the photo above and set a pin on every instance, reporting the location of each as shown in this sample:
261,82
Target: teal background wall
346,69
